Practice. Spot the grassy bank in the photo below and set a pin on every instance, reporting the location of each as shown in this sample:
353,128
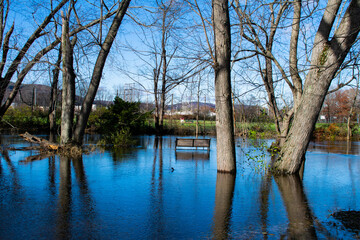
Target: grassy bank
254,130
26,119
335,131
323,131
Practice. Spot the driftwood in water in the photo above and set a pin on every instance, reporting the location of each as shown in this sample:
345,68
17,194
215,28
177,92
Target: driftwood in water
50,146
45,149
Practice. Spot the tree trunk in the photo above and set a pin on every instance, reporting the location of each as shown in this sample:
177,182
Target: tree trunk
163,85
97,73
68,89
53,97
197,111
226,161
156,100
351,112
327,58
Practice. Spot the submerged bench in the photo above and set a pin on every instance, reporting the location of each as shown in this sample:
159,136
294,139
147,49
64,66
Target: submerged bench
192,142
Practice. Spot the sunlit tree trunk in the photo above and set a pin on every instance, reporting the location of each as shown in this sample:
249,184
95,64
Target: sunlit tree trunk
226,161
68,85
327,57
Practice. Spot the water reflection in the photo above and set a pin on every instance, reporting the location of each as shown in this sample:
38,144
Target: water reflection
192,155
156,191
301,223
64,201
67,199
340,147
265,189
148,193
51,175
14,184
224,192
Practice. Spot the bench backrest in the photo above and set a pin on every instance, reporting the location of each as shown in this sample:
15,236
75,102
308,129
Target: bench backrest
192,143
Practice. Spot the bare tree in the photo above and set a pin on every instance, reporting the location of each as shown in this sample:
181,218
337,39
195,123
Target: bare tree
328,54
15,64
260,32
163,61
18,64
97,72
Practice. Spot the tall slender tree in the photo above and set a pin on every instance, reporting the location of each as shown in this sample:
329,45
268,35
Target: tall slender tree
68,83
226,161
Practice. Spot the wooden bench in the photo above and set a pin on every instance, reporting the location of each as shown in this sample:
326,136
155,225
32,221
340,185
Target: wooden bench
192,142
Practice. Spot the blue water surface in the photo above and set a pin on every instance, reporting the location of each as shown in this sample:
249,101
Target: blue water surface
153,191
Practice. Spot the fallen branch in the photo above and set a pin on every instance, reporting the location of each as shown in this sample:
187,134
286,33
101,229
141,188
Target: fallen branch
43,142
47,147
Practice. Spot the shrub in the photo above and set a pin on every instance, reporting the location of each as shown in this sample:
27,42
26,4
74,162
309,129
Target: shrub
25,118
121,138
120,121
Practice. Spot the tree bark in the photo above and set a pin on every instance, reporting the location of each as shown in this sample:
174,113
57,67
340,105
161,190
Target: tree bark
97,73
68,89
53,97
327,57
226,161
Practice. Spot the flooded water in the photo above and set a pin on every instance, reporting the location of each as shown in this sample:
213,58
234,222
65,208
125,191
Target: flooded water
155,192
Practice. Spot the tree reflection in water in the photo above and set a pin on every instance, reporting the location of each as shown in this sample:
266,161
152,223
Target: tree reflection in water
66,203
156,191
224,192
265,189
301,223
149,192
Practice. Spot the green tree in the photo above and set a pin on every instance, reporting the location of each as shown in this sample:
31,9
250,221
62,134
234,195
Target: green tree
123,115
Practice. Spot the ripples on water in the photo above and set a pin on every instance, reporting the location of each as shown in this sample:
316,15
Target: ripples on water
155,192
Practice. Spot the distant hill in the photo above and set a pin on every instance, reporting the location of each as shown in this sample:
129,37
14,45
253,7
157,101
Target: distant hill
42,92
26,93
189,105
